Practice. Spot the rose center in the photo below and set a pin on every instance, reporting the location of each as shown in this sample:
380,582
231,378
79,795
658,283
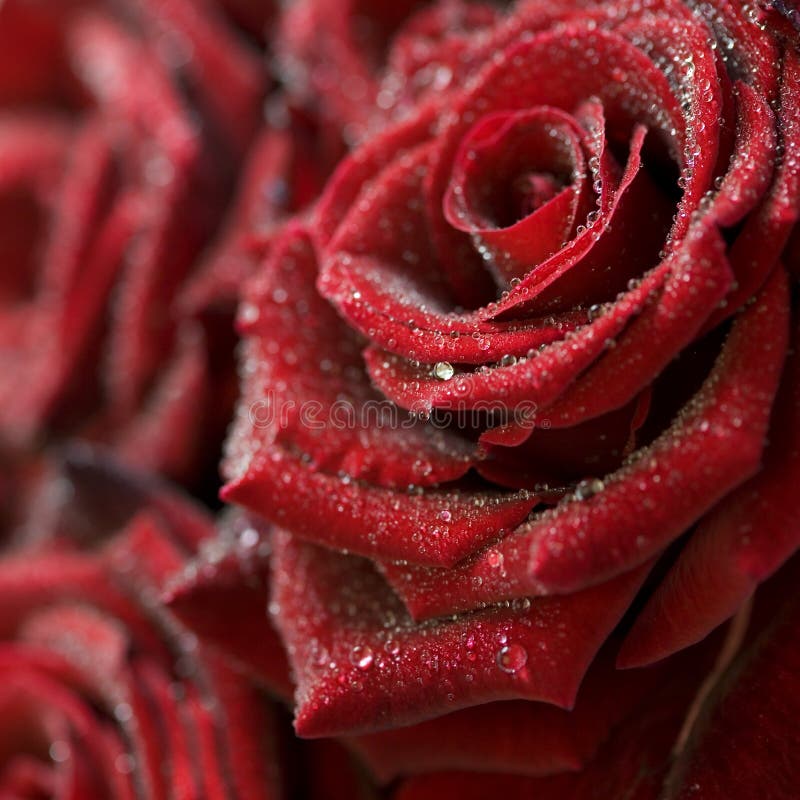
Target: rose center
518,186
531,190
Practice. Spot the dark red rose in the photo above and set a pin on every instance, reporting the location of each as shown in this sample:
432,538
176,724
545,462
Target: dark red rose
512,473
515,391
104,693
122,127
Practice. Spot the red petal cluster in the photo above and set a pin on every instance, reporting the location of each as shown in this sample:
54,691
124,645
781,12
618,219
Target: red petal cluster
559,284
105,693
123,131
511,477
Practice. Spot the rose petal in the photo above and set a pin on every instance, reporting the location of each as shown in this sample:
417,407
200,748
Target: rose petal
712,446
516,737
498,150
757,249
434,527
306,390
362,664
569,80
222,597
735,547
173,415
632,763
700,278
711,449
228,74
539,381
749,715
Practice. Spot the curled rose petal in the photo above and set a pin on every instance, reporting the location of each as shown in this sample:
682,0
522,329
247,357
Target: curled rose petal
517,737
434,527
310,394
692,280
362,664
222,597
722,428
635,757
735,547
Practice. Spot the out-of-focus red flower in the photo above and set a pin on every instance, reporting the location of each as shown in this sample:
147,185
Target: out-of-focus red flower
123,129
104,693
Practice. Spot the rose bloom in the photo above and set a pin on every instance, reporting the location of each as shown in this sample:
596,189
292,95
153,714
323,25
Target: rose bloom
124,128
105,694
511,478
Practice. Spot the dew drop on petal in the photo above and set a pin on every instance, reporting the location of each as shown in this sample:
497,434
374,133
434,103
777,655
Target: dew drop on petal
392,647
59,751
495,559
512,658
124,763
589,488
361,656
595,311
443,370
248,538
249,313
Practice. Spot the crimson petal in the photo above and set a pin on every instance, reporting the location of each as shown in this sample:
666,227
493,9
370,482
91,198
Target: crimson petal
712,448
757,249
631,764
713,445
689,283
515,736
222,597
734,548
748,715
306,389
700,279
433,527
362,664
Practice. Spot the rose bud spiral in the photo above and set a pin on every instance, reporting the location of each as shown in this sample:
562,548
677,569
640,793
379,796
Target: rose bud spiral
525,360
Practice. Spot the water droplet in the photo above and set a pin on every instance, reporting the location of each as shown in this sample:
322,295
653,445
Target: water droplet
392,647
248,538
443,370
495,559
589,488
249,313
361,656
59,751
512,658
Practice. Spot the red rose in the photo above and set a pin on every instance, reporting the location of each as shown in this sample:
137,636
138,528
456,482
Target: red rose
522,372
104,694
513,468
122,131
